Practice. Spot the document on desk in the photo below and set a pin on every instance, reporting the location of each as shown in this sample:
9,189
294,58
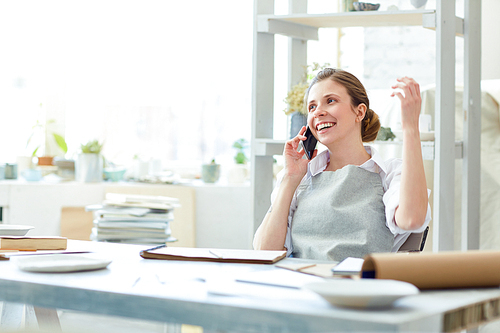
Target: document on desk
217,255
267,284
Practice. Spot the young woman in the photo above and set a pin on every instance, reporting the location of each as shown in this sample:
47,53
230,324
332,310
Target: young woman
347,201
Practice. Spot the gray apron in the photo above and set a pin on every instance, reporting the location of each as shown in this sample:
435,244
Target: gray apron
340,214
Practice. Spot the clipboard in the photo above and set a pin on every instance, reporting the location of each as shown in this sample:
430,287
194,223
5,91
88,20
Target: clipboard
215,255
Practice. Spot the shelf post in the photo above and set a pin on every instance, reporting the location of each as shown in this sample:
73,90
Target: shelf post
444,163
471,163
262,113
297,48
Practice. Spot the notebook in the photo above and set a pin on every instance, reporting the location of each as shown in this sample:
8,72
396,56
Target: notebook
217,255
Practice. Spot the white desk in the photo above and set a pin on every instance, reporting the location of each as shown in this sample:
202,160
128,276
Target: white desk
171,291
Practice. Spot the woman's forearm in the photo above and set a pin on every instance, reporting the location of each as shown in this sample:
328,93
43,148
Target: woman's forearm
413,200
271,233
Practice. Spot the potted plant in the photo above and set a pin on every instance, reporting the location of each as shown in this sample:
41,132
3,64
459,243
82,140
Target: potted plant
210,173
43,137
89,163
296,107
239,172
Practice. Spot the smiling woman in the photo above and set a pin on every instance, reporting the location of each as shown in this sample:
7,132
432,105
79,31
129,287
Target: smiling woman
146,78
347,201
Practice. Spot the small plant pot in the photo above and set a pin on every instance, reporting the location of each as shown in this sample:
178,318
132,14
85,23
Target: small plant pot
45,160
297,121
210,173
89,168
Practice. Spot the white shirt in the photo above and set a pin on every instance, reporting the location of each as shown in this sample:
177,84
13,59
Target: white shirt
390,173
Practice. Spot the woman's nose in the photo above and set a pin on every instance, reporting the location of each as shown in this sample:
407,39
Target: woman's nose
319,111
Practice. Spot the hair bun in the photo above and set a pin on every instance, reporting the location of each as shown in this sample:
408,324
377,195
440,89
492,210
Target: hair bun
370,127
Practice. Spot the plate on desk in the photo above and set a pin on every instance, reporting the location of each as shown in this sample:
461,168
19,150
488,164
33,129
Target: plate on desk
14,229
59,263
362,293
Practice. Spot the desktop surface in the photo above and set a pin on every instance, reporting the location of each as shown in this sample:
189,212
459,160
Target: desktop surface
206,294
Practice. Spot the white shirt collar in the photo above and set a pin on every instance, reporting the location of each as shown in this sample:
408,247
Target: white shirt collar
320,162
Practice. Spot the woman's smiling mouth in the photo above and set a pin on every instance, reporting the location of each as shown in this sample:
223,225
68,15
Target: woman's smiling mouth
321,126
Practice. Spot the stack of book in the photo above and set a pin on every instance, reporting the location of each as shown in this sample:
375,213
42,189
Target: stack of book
133,219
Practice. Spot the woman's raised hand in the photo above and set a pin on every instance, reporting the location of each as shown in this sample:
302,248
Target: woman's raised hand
295,164
411,102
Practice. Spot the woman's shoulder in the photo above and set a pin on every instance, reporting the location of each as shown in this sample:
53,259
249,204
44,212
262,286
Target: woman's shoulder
393,163
388,165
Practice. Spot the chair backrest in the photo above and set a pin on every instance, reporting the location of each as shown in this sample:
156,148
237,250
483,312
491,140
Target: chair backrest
415,242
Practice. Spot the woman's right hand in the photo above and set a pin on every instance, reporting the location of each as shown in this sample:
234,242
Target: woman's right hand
295,165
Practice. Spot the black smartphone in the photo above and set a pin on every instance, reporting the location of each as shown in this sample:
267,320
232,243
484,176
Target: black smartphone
309,144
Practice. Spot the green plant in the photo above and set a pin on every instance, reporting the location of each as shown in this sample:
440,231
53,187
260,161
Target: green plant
42,131
240,145
385,134
91,147
295,97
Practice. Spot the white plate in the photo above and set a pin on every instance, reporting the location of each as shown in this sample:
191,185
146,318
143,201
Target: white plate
56,263
14,230
363,293
424,136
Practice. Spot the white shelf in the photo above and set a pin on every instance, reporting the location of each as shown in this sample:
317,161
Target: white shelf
305,26
269,147
301,27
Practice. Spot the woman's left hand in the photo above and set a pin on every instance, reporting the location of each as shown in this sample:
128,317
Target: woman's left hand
411,103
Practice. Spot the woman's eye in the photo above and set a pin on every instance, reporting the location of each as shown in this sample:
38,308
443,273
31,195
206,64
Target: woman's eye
331,100
311,107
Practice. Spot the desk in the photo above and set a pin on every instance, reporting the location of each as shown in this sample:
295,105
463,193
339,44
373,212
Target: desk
171,291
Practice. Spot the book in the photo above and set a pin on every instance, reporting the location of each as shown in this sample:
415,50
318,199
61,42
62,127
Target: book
217,255
33,243
141,201
137,198
153,226
140,241
128,234
151,205
146,218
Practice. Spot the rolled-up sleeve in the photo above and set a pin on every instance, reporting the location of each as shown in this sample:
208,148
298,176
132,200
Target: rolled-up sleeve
391,202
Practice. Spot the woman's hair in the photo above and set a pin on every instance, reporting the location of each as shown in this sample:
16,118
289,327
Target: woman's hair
355,89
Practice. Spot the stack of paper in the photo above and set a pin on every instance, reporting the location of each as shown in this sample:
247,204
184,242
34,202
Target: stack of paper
134,219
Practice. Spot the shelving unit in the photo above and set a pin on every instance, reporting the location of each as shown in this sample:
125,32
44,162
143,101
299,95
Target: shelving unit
301,27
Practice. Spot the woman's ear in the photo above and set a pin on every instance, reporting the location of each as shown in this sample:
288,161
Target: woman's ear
360,112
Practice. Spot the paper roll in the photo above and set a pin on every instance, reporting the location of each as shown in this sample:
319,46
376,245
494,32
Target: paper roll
439,270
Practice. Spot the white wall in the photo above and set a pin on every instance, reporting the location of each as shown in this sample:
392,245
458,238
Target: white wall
490,40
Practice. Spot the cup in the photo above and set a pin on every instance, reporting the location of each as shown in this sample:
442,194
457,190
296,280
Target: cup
10,171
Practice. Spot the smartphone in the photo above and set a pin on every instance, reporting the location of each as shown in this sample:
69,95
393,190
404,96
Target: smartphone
309,144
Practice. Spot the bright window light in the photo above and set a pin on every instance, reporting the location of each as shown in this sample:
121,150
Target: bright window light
169,80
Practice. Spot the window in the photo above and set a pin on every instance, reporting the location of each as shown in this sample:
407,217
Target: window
169,80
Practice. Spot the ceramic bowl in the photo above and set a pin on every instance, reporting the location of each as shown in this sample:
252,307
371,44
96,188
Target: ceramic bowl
365,6
362,293
114,174
14,229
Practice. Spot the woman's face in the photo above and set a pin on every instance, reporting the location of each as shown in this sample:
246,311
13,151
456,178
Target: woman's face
330,114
